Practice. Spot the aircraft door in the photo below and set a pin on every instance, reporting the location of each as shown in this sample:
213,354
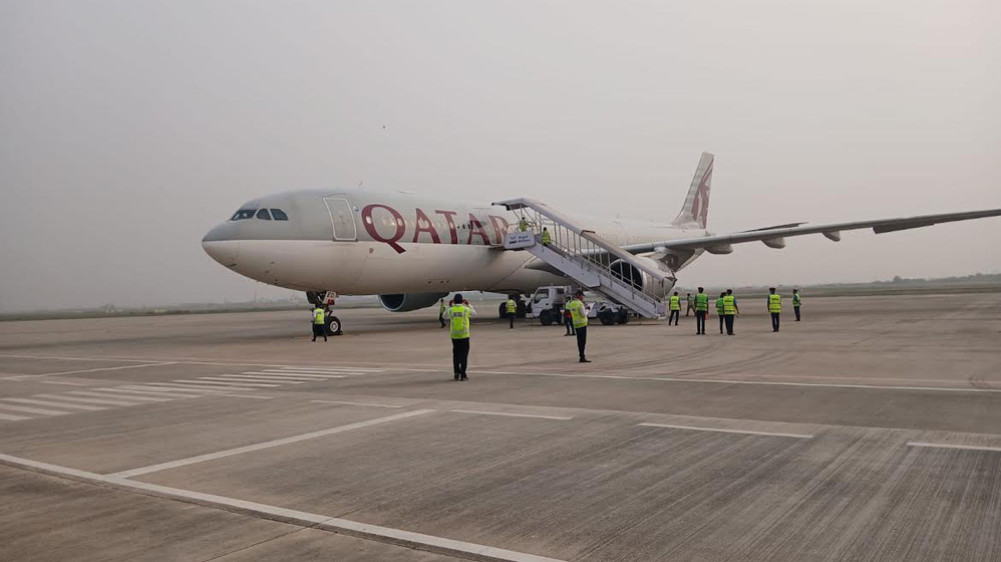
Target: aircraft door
341,218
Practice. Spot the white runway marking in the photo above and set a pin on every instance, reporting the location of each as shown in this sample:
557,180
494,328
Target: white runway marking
333,524
952,446
254,378
293,376
326,376
143,393
116,396
28,410
248,396
54,404
68,383
359,369
217,381
176,388
266,445
560,418
830,385
9,417
720,430
372,404
187,385
105,369
87,400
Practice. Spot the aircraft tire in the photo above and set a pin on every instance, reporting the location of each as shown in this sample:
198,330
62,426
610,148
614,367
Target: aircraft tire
607,317
333,325
622,317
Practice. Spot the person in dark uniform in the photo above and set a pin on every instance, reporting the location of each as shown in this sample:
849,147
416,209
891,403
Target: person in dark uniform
441,311
690,304
459,314
568,320
797,301
579,311
719,311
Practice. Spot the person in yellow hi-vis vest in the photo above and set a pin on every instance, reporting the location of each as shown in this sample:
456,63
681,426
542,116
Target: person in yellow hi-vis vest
459,314
511,307
730,310
701,311
774,307
546,238
319,323
578,311
675,307
719,311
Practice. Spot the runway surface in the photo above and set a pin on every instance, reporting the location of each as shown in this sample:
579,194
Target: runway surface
871,430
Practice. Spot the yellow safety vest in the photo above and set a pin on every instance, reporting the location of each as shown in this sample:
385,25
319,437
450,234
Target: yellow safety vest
701,302
512,306
797,300
579,313
459,315
719,306
675,302
523,225
729,305
545,237
318,316
775,303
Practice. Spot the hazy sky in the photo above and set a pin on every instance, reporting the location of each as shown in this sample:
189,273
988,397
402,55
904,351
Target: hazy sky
129,128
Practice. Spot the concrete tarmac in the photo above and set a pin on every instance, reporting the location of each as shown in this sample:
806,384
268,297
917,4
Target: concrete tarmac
871,430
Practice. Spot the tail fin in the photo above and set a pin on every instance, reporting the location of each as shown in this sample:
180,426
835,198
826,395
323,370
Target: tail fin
695,211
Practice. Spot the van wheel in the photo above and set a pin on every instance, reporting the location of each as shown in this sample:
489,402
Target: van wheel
546,317
333,326
622,317
607,317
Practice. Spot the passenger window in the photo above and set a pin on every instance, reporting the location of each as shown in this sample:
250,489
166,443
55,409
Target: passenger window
243,214
279,215
263,214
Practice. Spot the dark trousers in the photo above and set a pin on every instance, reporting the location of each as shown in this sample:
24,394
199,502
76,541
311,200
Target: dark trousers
675,314
568,321
700,321
775,321
511,316
441,318
729,323
460,356
319,330
581,340
722,320
796,309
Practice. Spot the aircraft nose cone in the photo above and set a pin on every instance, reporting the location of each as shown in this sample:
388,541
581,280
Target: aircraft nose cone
220,244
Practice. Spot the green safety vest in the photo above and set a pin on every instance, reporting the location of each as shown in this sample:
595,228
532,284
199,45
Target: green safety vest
523,225
775,303
512,306
545,237
796,300
701,302
719,305
579,313
318,316
675,302
729,305
459,314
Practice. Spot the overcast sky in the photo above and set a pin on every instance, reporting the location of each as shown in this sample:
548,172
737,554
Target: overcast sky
129,128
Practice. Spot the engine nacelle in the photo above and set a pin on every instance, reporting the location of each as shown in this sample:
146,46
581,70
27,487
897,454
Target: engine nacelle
405,302
642,281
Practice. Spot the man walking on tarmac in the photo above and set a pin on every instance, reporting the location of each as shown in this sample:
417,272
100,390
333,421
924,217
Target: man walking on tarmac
459,314
730,310
578,309
797,301
319,323
512,309
690,303
568,320
719,311
774,307
441,311
675,306
701,311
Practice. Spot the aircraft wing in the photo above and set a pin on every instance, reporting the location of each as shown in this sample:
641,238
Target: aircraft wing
774,237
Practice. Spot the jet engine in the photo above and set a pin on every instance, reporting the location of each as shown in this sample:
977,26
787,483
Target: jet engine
405,302
642,281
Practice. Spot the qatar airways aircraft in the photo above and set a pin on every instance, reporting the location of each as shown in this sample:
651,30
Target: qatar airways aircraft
411,251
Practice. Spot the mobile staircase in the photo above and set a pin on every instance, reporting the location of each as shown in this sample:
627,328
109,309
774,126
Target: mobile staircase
588,259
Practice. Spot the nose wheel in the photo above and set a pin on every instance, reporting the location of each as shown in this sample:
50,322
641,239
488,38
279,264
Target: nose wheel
333,324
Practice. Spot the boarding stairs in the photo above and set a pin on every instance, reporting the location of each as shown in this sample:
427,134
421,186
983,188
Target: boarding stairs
585,257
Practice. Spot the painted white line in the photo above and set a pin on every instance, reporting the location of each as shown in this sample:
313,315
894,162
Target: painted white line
266,445
54,404
829,385
87,400
719,430
217,381
145,393
296,376
117,396
372,404
248,396
189,385
360,369
9,417
174,389
106,369
953,446
64,382
245,378
438,545
560,418
28,410
326,376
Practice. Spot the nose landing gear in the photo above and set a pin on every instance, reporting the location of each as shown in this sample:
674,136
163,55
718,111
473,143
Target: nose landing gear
332,324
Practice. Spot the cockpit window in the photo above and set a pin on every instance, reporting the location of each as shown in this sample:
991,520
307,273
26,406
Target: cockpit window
279,215
264,215
243,214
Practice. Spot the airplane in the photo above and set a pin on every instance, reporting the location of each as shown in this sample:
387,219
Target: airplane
412,251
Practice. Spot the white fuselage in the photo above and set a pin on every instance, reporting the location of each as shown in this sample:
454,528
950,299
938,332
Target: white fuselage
363,243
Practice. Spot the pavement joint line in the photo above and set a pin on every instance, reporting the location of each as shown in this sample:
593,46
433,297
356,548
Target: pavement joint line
265,445
23,377
375,533
372,404
55,404
722,430
922,444
513,415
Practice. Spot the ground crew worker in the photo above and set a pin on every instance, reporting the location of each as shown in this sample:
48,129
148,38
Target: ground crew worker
690,302
730,310
568,320
774,307
675,307
512,309
701,311
578,310
719,311
319,323
522,224
441,311
797,301
459,314
546,239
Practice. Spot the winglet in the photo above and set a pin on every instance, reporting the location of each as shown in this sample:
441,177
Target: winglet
695,211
